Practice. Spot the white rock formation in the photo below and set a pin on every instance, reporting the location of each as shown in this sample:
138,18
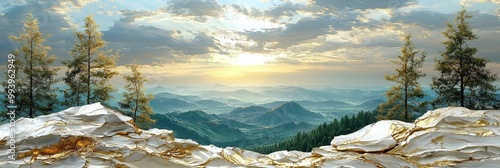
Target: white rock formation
376,137
94,136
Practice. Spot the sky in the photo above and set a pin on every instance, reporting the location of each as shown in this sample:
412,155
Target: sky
262,42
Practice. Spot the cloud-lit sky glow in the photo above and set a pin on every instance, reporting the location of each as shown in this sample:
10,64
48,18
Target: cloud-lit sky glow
261,42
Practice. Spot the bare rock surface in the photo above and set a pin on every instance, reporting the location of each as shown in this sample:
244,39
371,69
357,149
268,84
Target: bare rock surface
94,136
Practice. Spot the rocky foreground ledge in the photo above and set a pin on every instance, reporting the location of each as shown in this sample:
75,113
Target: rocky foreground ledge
95,136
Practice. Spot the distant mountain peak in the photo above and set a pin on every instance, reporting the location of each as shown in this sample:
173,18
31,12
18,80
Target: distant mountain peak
196,115
158,87
249,109
371,104
196,112
242,90
287,112
289,106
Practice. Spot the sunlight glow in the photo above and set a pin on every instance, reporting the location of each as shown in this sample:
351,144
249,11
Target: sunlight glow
248,59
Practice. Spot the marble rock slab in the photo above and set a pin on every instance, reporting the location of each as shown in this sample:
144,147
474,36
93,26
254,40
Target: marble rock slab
95,136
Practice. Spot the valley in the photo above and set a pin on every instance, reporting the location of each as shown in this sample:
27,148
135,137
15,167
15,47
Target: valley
250,116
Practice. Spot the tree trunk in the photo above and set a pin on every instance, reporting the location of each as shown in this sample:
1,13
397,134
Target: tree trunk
462,87
88,68
462,90
406,78
78,93
32,102
135,112
406,102
136,101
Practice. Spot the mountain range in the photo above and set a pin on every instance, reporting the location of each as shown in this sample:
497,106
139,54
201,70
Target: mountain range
249,116
244,114
222,130
265,94
329,102
287,112
163,104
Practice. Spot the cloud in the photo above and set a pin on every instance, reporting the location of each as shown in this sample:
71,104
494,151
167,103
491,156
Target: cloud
362,4
151,43
253,12
132,15
49,23
435,20
304,30
289,11
293,34
316,33
63,7
484,21
200,10
427,19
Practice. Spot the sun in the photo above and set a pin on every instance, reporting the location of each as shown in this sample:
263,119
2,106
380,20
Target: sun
248,59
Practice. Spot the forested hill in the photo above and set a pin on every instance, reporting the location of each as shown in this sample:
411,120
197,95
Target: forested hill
323,134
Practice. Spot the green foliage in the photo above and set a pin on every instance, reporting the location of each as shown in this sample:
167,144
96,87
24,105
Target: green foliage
403,99
135,100
322,135
90,70
200,126
464,80
180,130
35,79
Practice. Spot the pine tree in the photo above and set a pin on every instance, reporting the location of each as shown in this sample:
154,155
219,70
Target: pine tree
91,69
135,99
321,135
74,76
21,97
35,78
402,99
464,80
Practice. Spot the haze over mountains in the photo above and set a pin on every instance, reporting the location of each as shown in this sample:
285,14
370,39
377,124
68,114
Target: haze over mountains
219,99
253,115
247,116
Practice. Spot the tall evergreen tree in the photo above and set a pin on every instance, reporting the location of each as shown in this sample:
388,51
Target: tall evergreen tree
464,80
91,69
403,98
21,95
35,78
135,99
74,77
